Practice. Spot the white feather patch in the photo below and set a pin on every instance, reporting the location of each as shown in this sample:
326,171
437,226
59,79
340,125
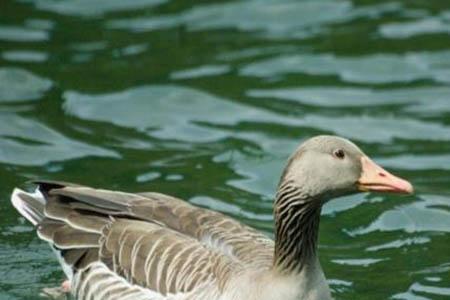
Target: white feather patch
22,207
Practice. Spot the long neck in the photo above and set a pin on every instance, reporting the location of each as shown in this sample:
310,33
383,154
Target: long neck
296,229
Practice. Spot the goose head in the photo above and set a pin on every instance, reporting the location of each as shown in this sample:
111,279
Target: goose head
322,168
325,167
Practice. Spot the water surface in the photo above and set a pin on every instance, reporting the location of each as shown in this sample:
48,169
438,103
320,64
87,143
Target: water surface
205,100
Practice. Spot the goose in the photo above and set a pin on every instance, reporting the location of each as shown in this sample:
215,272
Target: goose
150,246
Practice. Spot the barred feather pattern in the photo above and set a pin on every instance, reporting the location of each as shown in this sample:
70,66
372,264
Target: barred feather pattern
161,259
115,245
98,282
296,228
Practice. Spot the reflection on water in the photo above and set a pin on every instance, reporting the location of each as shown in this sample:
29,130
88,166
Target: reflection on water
202,71
277,19
431,214
165,112
371,69
20,85
24,56
20,34
206,100
92,8
413,99
23,138
422,26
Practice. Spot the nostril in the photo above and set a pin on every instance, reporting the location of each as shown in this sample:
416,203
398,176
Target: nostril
382,174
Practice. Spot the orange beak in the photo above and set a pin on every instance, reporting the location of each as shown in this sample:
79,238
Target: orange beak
376,179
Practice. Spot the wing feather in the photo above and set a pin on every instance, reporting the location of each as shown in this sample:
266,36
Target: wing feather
248,245
149,240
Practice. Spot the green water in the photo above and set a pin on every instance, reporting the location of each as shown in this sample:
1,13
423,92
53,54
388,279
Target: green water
205,100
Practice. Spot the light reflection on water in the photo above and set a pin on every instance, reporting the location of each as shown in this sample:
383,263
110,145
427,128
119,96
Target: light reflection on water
205,101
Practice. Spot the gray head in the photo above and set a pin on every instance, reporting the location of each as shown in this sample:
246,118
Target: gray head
322,167
329,166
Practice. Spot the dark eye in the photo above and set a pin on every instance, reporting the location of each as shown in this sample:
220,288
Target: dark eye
339,153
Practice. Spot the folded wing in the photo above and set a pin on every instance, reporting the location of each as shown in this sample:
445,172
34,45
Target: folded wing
136,241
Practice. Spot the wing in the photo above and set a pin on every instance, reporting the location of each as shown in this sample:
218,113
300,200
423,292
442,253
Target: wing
249,246
149,240
151,256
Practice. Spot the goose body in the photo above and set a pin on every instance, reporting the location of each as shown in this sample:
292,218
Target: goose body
150,246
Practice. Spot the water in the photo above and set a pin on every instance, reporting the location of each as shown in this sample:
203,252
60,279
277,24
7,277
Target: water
205,100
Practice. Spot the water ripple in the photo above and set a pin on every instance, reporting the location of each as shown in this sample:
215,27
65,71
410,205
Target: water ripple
430,214
22,138
418,99
171,112
277,19
25,56
375,69
88,8
202,71
21,85
22,34
428,25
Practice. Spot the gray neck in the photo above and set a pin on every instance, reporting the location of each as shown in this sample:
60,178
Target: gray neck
296,229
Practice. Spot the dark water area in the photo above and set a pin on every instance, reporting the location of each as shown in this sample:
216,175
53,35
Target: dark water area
205,100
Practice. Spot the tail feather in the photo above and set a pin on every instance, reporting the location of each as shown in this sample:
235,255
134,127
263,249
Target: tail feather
73,237
29,205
